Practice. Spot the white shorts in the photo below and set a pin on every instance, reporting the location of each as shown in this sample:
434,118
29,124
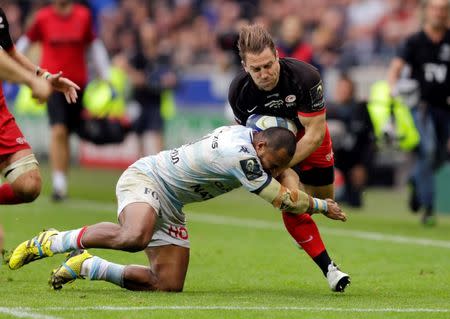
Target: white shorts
134,186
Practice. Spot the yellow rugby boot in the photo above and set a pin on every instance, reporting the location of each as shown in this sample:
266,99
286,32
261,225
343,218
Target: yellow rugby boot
69,270
36,248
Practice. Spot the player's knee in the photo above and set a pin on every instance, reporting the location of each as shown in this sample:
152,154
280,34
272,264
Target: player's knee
134,241
28,187
170,286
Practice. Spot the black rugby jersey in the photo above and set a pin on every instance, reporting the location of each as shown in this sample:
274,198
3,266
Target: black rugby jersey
299,90
6,42
430,66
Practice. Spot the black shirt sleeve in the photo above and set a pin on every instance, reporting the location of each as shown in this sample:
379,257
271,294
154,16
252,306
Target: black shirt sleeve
406,49
5,38
235,92
310,84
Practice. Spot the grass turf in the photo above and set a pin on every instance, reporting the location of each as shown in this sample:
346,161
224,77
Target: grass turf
243,263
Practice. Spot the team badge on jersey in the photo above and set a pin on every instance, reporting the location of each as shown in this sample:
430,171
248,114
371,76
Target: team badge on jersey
290,98
251,168
317,100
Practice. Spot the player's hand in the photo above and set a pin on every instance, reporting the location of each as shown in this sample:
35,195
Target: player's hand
334,211
64,85
40,89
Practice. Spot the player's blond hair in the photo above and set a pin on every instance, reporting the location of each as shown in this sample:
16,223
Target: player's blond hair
254,39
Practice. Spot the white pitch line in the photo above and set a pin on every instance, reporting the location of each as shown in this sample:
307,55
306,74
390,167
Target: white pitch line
24,313
249,308
262,224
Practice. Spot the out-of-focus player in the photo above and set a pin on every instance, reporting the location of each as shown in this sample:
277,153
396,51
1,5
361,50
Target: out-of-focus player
66,32
18,165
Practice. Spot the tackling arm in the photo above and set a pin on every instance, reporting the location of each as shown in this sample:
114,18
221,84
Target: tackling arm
315,128
298,202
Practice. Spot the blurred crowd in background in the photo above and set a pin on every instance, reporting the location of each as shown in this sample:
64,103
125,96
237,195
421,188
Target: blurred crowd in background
195,33
171,40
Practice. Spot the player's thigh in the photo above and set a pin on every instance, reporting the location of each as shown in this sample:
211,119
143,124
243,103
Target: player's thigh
6,160
138,222
169,263
325,191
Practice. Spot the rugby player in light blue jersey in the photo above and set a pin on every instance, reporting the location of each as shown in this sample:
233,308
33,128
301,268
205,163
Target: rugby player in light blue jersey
151,194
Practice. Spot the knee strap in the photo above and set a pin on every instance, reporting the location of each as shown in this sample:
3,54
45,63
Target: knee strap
19,167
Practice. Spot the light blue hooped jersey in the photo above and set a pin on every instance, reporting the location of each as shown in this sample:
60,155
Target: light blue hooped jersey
215,164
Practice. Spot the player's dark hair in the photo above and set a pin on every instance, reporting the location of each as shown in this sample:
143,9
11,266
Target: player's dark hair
280,138
254,39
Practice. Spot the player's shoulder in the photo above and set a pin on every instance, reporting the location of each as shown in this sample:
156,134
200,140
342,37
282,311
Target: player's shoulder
81,10
238,141
417,38
295,65
300,73
45,12
240,80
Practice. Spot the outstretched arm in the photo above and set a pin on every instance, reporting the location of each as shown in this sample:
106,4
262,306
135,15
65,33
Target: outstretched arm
57,81
298,202
12,71
315,128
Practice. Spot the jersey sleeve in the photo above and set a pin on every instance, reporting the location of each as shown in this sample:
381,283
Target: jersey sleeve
313,101
5,38
405,50
248,170
34,32
90,33
235,99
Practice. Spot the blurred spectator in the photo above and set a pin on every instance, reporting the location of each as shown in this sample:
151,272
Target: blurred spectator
150,72
427,53
363,17
292,43
399,22
353,144
66,33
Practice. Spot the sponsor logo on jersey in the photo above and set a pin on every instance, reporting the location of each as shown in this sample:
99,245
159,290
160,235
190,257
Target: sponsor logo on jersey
21,140
276,104
316,93
252,109
272,95
290,98
251,168
244,149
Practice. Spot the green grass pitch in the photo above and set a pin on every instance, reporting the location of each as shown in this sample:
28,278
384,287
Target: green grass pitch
243,263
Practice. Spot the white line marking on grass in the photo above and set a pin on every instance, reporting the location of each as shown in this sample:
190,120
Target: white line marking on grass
24,313
251,308
262,224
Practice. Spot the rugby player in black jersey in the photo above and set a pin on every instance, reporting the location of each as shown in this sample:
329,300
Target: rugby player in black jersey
291,89
427,53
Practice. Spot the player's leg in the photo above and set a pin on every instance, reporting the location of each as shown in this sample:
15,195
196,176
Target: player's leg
167,270
59,152
23,179
18,166
317,176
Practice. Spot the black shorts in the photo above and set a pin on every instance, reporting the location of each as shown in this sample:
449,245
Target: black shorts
61,112
149,120
316,176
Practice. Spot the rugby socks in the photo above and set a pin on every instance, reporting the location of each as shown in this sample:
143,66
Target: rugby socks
60,183
67,240
96,268
7,195
305,232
